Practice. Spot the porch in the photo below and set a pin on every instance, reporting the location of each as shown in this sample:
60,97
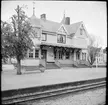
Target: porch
62,56
54,56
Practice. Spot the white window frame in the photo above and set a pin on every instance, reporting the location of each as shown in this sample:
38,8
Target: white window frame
30,52
60,39
36,53
44,36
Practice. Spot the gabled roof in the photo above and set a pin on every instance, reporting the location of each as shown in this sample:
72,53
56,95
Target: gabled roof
72,28
52,26
49,25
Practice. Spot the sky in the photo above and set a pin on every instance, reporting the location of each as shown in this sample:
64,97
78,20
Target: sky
92,13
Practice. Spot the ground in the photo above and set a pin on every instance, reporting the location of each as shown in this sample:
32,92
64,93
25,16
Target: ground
12,81
89,97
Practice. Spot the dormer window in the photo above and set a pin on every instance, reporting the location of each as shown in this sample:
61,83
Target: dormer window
61,38
81,31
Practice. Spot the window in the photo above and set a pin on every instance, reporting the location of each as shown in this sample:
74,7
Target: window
81,30
31,53
36,53
44,36
61,38
67,55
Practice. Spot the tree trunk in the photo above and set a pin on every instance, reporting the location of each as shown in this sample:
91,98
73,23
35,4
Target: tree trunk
19,67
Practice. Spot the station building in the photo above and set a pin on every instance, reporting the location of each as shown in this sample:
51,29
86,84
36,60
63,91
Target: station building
60,43
101,58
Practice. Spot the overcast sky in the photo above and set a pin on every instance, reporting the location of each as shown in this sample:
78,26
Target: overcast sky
93,14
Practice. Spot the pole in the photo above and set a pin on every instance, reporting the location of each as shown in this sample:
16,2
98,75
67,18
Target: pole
18,22
18,60
96,63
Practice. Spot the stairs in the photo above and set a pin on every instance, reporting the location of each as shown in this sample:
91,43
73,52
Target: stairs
51,66
75,64
66,65
81,64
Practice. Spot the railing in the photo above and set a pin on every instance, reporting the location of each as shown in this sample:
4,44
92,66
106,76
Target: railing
75,63
85,63
57,63
43,63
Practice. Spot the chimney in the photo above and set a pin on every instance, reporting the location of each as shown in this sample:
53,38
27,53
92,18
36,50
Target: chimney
67,20
43,16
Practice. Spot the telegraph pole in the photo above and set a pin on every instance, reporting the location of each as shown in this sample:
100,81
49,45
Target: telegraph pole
18,21
19,66
96,63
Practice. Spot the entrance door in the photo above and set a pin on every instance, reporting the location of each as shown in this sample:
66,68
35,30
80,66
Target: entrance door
50,55
77,56
44,54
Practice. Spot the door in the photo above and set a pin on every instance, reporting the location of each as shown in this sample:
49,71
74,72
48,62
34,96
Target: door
77,56
50,55
44,54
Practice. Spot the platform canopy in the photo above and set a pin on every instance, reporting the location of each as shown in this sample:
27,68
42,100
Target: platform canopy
60,45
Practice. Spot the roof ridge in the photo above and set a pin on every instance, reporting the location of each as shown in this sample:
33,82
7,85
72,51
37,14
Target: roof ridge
76,22
52,21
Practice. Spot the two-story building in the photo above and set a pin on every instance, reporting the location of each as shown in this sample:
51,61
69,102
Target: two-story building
57,42
101,58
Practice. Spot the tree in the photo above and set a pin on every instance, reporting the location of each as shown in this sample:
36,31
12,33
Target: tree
17,40
93,50
5,31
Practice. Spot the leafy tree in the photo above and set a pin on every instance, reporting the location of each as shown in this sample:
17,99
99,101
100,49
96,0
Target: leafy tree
16,37
5,31
92,50
92,53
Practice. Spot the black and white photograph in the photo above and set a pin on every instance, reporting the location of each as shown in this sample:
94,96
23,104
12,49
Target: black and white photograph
53,52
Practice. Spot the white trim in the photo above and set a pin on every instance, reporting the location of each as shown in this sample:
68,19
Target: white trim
79,28
85,29
64,29
76,31
33,52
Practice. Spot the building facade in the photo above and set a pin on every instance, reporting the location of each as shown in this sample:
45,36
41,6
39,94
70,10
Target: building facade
101,58
62,43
